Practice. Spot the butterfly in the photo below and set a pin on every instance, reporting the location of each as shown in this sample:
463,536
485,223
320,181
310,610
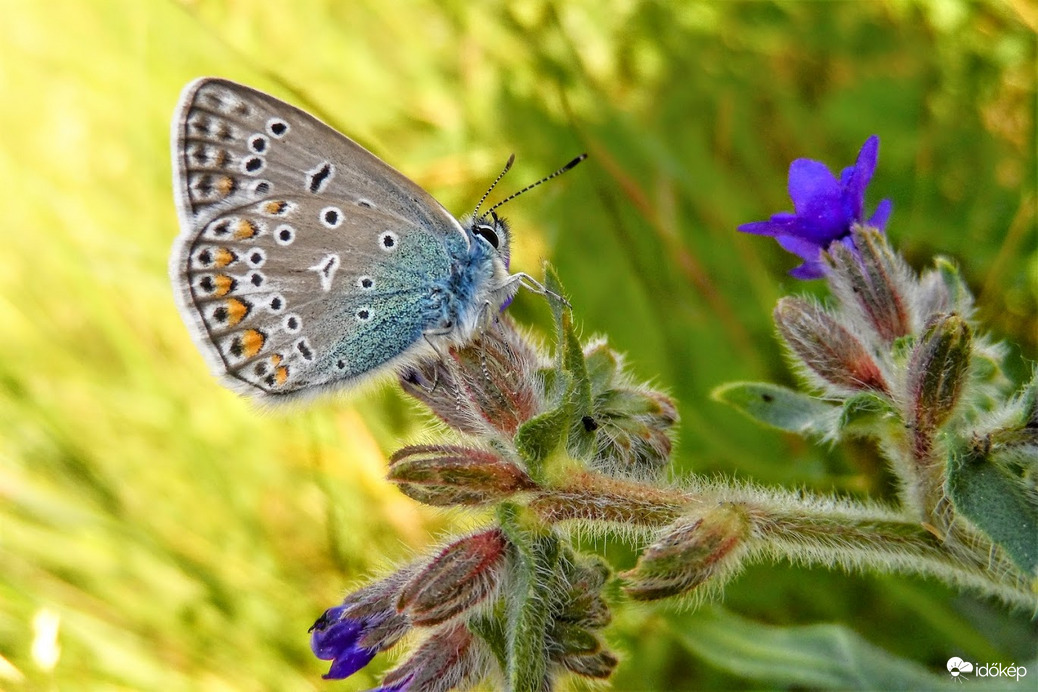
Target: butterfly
305,263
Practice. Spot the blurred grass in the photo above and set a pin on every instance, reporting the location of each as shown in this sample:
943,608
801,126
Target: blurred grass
186,541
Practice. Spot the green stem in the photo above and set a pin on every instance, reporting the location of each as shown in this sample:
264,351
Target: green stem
800,528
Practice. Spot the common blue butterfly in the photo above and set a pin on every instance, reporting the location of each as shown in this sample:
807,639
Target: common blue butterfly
304,262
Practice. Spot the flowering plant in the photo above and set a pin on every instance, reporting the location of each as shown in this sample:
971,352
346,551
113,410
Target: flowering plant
568,442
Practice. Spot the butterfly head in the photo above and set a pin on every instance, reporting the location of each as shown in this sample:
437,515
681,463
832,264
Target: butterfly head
491,235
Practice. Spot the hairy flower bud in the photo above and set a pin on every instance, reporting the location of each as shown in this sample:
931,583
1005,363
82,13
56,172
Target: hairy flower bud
582,603
690,551
826,348
874,282
461,577
450,658
635,429
634,425
597,666
446,475
486,386
567,638
367,622
937,371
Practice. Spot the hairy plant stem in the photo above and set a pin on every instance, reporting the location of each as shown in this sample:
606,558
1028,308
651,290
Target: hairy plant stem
797,527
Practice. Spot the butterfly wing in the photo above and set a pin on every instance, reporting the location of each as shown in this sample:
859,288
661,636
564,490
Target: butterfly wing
304,262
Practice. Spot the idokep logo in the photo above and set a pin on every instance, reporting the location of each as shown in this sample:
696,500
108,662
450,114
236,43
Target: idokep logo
960,668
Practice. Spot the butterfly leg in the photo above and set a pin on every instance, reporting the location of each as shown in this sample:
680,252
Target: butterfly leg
486,323
532,284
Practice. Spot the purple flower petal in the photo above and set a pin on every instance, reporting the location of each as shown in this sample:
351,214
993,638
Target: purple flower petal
826,208
811,185
808,271
779,224
804,249
860,177
331,634
349,663
882,214
335,637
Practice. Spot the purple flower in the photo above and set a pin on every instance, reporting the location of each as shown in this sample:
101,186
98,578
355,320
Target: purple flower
826,209
336,638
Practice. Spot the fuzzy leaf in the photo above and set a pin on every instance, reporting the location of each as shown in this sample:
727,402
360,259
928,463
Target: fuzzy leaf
802,657
558,307
866,414
959,298
529,607
492,630
998,503
779,407
571,359
538,437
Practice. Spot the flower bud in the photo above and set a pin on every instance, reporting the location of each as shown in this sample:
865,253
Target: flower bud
690,551
569,639
874,282
937,371
461,577
487,385
450,658
942,290
367,622
635,427
826,348
598,666
582,603
446,475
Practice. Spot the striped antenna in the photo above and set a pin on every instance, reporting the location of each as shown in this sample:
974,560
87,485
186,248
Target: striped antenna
545,179
508,166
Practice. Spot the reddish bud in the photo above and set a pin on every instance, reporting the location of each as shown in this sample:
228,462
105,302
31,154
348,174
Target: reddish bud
826,348
446,475
450,658
598,666
461,577
937,371
690,551
487,385
875,282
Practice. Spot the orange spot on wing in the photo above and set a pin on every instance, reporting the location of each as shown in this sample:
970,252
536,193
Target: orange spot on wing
252,341
275,207
276,359
245,229
281,374
225,185
236,311
223,283
223,257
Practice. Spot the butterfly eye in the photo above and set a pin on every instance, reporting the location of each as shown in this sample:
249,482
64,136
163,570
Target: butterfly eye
487,233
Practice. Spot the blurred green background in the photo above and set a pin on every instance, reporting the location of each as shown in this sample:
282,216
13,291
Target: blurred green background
157,532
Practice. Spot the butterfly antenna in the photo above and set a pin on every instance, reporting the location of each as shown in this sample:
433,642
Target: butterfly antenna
508,166
545,179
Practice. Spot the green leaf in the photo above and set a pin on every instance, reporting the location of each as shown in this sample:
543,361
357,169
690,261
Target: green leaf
578,402
1002,505
558,308
779,407
867,414
960,299
538,437
811,657
529,605
491,628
